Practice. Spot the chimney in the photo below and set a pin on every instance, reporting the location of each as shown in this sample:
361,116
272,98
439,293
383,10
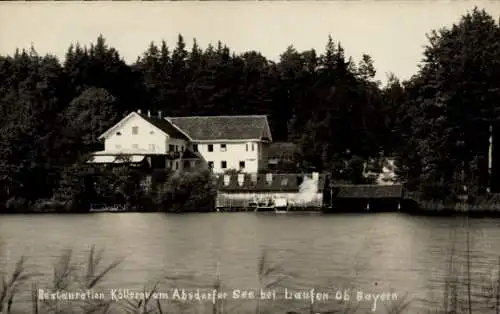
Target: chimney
159,114
149,114
241,179
139,111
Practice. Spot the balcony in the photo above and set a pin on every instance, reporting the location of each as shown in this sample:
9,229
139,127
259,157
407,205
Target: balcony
173,155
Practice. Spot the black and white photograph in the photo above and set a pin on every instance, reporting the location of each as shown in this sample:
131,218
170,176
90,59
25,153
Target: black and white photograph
293,157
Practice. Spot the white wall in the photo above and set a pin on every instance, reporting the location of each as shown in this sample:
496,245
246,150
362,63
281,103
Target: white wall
147,135
148,139
235,152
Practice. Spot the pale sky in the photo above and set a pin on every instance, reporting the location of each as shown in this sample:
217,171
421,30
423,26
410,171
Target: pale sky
392,32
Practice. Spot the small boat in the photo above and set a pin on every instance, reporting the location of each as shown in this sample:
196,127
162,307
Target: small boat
268,206
101,208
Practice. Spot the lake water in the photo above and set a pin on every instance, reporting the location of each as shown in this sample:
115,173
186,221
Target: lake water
368,253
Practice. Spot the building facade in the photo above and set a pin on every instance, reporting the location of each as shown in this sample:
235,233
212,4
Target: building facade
299,190
222,143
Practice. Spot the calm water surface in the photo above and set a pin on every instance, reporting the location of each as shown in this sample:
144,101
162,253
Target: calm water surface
372,253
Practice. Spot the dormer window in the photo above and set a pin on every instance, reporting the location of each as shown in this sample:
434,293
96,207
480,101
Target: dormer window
284,182
241,179
135,130
226,179
269,178
118,133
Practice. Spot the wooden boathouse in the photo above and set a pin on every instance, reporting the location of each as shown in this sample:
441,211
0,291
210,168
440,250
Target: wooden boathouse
236,192
369,197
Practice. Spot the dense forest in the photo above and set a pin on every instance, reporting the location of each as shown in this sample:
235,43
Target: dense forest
436,124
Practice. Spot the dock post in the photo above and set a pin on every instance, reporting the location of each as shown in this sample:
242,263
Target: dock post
368,206
399,205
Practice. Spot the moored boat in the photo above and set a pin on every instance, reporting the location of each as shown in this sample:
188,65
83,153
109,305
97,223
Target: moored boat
267,206
102,208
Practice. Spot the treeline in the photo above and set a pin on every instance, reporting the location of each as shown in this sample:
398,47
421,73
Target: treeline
436,124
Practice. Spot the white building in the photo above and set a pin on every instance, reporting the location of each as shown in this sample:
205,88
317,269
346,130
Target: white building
222,143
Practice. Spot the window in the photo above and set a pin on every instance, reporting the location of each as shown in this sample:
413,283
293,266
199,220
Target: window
246,147
186,164
223,147
135,146
135,130
195,148
242,165
182,148
210,164
152,147
170,148
176,148
284,181
176,165
210,147
223,164
118,133
253,147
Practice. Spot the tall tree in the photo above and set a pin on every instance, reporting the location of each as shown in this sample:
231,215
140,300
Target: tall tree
455,94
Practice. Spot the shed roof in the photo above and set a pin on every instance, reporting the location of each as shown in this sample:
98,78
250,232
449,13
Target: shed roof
369,191
282,149
258,183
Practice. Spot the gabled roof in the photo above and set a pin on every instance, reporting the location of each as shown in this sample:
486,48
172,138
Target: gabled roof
165,126
206,128
161,124
287,182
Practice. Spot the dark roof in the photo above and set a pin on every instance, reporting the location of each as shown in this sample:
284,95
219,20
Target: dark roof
282,149
368,191
280,183
223,127
188,154
165,126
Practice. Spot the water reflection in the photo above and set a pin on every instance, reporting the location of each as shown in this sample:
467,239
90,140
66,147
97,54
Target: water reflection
370,252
